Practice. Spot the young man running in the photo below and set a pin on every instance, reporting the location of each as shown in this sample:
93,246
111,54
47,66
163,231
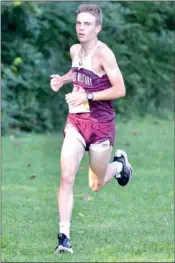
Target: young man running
90,126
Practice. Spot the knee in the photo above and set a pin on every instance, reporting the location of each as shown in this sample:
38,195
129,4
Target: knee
95,185
67,179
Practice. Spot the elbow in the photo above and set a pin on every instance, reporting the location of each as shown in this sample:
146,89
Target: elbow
121,93
124,93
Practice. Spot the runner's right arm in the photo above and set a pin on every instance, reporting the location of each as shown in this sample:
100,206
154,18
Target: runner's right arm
58,81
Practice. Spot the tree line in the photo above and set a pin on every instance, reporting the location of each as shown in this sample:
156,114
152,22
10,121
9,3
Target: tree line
36,38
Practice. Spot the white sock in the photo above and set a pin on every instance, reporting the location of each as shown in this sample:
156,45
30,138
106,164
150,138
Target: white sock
65,228
119,167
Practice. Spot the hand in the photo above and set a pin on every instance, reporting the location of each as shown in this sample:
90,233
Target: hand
76,98
56,82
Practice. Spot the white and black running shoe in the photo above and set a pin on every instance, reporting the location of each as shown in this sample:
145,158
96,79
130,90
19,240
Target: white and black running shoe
124,176
64,244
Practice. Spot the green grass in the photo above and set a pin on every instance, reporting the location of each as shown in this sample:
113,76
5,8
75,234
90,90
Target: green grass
129,224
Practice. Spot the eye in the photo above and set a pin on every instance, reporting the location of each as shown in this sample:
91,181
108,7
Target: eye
97,10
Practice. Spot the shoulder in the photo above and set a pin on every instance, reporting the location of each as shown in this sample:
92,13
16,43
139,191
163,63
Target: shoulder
73,49
105,53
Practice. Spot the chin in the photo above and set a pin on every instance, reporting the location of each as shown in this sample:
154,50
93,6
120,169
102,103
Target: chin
83,40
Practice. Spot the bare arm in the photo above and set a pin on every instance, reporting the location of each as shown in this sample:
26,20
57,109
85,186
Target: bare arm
67,78
109,63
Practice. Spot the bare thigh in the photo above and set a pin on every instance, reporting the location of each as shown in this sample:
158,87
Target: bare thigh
98,164
71,156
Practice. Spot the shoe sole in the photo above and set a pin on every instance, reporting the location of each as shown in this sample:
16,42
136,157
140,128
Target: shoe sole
127,163
62,249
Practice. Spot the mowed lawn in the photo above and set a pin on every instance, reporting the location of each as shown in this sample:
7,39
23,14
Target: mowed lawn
117,224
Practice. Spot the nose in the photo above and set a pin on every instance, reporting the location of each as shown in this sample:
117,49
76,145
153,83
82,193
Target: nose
81,27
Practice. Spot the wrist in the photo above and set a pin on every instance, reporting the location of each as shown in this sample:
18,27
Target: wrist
67,78
90,97
63,79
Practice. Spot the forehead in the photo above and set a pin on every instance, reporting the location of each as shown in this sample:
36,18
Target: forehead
85,17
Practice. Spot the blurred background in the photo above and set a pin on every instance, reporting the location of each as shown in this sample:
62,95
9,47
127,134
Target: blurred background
36,38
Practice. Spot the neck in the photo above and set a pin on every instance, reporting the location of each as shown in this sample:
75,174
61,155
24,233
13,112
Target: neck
88,46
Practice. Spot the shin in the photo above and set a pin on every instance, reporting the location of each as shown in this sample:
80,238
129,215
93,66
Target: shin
98,165
71,156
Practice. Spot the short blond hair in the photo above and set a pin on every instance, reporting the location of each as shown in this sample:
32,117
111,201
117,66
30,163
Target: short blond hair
92,9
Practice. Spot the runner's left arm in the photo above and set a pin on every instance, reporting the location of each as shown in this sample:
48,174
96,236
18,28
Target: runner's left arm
110,66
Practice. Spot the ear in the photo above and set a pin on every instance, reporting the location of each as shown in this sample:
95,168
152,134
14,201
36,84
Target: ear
98,28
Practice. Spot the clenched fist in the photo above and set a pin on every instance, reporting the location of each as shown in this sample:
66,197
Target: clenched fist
56,82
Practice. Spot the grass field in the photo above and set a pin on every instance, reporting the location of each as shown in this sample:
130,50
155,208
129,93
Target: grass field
129,224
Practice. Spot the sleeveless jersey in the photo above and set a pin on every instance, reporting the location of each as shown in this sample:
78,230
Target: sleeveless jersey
84,78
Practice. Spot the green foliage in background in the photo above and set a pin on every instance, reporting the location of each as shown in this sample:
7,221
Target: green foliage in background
36,38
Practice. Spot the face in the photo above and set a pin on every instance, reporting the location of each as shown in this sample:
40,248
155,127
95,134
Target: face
86,27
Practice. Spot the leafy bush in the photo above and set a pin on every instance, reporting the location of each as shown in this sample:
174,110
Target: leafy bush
36,38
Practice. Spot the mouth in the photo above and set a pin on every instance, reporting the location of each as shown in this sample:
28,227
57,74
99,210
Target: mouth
81,35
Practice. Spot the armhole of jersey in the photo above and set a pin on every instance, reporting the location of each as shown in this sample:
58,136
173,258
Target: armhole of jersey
92,56
96,48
